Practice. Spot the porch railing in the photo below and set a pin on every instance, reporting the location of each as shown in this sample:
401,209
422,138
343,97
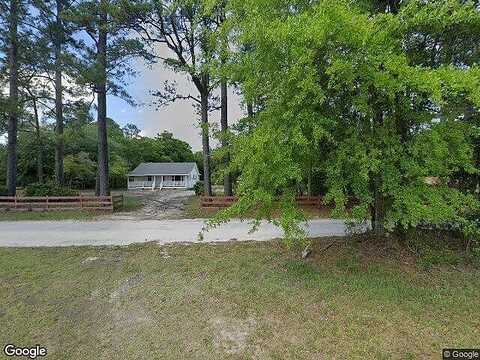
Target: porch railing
174,183
140,184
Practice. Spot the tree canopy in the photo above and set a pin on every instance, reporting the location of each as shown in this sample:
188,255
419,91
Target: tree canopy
353,93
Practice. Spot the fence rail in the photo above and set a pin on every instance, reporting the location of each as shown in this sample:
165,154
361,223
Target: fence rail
61,203
217,201
226,201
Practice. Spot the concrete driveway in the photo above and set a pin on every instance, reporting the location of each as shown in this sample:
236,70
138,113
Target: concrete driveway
111,232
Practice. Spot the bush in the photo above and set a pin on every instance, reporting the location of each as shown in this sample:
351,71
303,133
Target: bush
49,189
3,191
199,188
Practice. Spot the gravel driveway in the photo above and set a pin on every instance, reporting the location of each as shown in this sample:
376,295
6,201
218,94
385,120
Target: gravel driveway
111,232
157,205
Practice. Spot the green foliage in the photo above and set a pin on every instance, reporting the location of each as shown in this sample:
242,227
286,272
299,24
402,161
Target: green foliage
475,255
338,92
80,162
199,188
112,17
118,172
79,170
48,189
3,190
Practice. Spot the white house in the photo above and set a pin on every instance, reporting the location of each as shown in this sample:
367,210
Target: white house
164,175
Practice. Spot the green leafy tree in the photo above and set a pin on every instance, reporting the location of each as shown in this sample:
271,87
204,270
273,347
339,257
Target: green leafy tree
336,78
79,170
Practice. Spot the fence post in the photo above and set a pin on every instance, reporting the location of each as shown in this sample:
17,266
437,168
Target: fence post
81,202
47,203
15,199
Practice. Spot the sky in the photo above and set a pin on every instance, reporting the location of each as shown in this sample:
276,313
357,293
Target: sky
178,118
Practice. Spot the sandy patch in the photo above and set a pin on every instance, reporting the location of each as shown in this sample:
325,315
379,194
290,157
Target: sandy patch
231,335
124,287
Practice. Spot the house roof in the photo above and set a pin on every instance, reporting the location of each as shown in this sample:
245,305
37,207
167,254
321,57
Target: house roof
163,169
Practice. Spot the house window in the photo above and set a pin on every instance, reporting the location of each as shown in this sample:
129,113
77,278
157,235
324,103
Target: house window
194,177
149,179
131,179
178,178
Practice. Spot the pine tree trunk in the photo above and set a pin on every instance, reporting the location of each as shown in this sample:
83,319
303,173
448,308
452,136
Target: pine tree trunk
97,185
13,99
250,112
309,181
103,184
378,211
205,144
38,142
59,148
227,181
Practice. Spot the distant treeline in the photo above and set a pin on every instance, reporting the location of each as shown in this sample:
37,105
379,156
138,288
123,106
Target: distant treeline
127,149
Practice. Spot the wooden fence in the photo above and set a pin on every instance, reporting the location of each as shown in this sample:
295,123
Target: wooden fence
226,201
61,203
217,201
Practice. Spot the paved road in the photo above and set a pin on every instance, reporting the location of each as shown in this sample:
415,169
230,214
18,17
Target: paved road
107,232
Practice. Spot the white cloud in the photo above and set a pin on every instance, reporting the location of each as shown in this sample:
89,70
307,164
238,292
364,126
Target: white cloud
178,118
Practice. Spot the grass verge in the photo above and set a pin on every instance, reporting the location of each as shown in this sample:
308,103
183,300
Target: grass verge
235,301
131,203
48,215
193,210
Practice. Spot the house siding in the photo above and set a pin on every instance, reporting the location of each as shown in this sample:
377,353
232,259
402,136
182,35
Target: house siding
141,181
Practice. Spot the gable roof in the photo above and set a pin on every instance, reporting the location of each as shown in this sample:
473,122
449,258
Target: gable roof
163,169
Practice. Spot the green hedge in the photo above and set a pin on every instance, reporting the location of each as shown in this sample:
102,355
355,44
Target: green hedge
199,188
3,191
49,189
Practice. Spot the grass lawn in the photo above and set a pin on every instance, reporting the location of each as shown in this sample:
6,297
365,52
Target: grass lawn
48,215
235,301
193,210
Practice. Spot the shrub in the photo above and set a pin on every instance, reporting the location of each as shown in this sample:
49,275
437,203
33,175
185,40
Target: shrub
3,191
199,188
48,189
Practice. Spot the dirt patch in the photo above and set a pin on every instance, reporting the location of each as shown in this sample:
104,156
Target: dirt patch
157,205
125,286
89,260
127,318
93,261
231,335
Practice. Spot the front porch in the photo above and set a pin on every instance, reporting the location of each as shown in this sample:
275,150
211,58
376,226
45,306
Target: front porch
158,182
